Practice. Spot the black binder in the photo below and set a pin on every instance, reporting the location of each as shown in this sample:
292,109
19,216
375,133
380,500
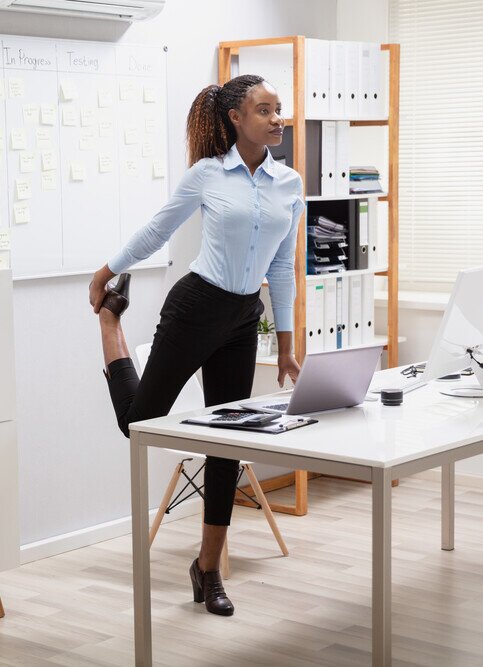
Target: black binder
358,252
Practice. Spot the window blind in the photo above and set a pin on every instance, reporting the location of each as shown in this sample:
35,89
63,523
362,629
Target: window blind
441,138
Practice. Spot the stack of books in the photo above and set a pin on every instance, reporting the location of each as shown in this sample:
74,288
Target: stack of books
364,180
326,243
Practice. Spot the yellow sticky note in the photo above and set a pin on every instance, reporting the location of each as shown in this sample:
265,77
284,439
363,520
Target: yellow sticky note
27,162
149,94
132,167
88,116
105,163
131,135
158,169
49,180
68,90
69,116
48,114
127,90
147,149
21,213
104,98
43,138
4,239
23,188
31,113
18,139
150,125
16,87
77,171
49,160
86,144
106,128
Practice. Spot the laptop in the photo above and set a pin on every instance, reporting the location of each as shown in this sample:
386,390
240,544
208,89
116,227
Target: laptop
327,381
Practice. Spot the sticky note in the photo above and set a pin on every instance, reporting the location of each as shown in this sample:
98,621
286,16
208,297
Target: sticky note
31,113
49,160
23,188
70,116
86,143
43,138
18,139
105,163
68,90
49,180
149,94
4,239
47,114
27,162
21,213
88,116
2,137
147,149
104,98
158,169
131,135
127,91
150,125
4,259
105,128
16,87
2,89
77,171
132,167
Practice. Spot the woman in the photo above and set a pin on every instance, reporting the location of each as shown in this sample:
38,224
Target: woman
250,206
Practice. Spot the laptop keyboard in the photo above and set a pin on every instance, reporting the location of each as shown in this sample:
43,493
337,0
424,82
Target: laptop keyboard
279,406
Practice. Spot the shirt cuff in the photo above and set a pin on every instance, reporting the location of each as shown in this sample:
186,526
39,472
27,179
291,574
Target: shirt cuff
283,317
118,263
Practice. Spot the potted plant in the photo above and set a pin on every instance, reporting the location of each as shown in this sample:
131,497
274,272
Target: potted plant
265,337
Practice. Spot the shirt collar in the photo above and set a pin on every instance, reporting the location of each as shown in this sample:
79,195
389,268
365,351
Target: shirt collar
233,159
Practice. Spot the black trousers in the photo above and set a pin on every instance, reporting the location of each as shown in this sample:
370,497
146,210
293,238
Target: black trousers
203,326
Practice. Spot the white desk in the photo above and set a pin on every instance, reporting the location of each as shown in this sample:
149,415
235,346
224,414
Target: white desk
370,442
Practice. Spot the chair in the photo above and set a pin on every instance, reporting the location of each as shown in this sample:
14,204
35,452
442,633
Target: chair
190,398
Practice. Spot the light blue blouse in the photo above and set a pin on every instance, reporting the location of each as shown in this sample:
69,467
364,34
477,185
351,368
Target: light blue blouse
249,227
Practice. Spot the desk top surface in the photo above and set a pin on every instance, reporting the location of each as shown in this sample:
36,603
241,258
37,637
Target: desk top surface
372,434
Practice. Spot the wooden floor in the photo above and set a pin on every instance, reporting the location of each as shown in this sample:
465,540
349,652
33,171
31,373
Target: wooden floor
312,608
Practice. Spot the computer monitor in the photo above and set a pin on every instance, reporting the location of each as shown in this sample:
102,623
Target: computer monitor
459,341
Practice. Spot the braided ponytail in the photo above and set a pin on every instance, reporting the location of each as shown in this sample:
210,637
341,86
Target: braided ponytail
209,129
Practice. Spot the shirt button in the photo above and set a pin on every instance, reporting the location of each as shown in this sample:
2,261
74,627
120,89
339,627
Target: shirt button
243,291
257,205
252,247
247,269
256,226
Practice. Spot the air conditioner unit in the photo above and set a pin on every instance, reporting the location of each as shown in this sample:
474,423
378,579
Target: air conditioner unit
131,10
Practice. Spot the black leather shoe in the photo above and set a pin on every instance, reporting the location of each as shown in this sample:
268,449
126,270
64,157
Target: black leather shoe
117,298
208,588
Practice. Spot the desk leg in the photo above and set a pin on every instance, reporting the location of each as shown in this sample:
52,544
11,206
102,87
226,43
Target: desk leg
447,506
140,551
381,567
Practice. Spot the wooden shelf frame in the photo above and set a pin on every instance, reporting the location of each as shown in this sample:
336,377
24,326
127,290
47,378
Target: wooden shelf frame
226,51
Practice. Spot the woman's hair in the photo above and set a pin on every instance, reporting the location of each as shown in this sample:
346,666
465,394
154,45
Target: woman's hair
209,129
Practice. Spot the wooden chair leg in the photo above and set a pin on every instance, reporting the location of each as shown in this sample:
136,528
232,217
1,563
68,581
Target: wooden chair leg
224,562
266,507
165,502
2,610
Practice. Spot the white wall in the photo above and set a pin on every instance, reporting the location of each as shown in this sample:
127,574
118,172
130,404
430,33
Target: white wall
73,461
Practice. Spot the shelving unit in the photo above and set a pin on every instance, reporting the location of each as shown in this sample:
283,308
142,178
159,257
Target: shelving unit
228,50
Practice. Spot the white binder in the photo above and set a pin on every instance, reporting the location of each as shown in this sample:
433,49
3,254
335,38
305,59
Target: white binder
367,307
351,80
328,158
342,312
337,79
315,318
373,227
317,53
355,310
330,314
365,107
375,81
319,316
342,169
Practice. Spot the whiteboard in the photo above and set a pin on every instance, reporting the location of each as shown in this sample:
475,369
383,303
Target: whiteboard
83,151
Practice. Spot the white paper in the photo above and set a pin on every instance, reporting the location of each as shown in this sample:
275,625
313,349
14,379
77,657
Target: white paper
18,139
88,116
23,188
132,167
105,128
43,138
4,239
147,149
49,180
68,90
70,116
131,136
4,259
150,125
104,98
77,171
105,163
31,113
158,169
127,91
16,87
149,94
27,162
48,114
49,160
21,213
